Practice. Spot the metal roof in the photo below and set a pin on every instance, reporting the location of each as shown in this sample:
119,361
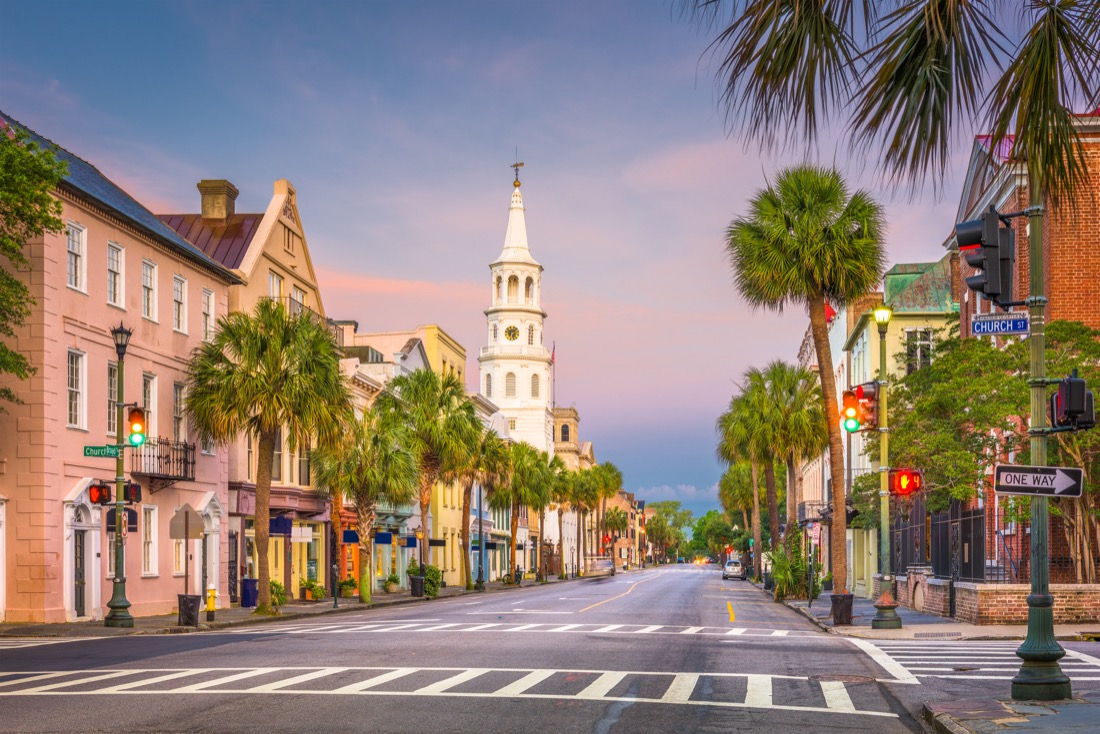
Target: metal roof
86,180
225,240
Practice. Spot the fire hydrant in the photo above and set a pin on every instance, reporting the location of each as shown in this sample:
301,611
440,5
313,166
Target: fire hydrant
211,601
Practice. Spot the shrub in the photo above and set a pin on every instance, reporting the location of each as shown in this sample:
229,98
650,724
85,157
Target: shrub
414,568
393,579
278,594
433,579
349,583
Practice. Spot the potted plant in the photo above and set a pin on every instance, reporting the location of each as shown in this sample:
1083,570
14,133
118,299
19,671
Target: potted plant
827,583
391,584
278,596
348,588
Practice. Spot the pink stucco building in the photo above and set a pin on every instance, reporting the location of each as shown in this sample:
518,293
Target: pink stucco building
114,262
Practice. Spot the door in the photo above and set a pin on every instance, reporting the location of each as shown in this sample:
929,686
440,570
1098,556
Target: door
956,543
79,582
233,550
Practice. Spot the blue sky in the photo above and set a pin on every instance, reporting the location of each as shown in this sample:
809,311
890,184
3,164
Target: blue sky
397,123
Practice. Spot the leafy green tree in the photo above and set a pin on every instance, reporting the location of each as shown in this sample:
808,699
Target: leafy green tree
372,465
766,438
615,521
675,518
528,485
806,242
795,393
441,424
584,496
561,494
488,463
735,492
555,469
609,480
260,374
28,176
738,442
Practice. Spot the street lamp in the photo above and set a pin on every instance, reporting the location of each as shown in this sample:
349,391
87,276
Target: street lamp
420,545
119,616
886,616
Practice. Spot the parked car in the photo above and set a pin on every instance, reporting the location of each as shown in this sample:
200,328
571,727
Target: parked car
733,570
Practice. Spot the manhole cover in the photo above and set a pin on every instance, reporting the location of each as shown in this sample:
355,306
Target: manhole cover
843,678
965,668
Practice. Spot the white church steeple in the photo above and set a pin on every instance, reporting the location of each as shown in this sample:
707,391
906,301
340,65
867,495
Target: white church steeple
515,363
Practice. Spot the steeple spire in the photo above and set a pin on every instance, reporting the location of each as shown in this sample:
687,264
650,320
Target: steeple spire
515,236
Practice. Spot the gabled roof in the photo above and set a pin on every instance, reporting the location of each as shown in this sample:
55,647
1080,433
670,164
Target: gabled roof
920,287
226,240
85,180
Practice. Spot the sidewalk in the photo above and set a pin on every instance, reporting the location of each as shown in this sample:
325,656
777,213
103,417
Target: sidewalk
985,716
238,616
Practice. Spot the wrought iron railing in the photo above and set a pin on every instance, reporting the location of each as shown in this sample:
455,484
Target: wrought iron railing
164,461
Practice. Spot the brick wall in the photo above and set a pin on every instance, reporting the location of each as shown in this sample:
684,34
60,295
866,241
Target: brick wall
1007,603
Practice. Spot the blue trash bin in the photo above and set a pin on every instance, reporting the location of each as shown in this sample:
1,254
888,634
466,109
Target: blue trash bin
250,592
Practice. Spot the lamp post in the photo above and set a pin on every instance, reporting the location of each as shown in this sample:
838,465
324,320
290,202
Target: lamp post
119,616
420,546
886,616
480,584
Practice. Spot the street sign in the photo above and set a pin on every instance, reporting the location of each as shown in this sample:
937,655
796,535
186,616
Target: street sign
1002,324
186,524
110,451
1042,481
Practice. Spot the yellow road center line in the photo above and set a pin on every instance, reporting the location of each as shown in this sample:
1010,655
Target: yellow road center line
729,605
620,596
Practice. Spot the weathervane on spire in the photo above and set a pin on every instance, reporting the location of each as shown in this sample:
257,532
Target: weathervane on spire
516,166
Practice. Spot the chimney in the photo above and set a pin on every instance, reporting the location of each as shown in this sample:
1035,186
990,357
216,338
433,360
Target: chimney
218,196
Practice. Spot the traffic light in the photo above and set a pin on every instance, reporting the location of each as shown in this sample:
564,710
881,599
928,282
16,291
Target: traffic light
904,482
131,492
606,539
99,493
867,395
1072,405
136,421
992,250
849,411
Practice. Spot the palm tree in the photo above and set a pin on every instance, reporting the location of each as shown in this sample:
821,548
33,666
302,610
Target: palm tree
554,469
441,424
766,440
583,498
487,463
796,394
735,491
615,521
561,494
528,486
373,466
609,480
805,241
738,442
260,373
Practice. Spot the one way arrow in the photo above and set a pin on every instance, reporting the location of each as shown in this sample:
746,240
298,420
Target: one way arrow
1058,481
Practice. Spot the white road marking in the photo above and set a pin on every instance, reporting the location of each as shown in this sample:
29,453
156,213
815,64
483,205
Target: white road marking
681,688
530,680
152,681
82,681
608,628
691,630
759,691
887,663
564,628
477,627
224,679
737,631
780,633
836,696
396,627
1082,656
454,680
651,628
438,627
377,680
602,685
13,643
32,678
269,687
523,627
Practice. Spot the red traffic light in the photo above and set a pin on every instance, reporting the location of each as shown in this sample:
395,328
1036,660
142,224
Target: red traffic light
904,482
99,493
606,539
131,492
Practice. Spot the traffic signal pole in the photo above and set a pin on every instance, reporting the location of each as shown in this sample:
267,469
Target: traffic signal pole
1040,678
886,614
119,616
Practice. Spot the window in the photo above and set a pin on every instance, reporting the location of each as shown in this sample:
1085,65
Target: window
112,398
498,292
179,304
494,333
303,465
76,389
248,456
208,445
511,424
510,385
565,433
531,335
148,541
300,299
918,349
149,290
488,386
277,464
513,289
179,557
114,274
149,402
207,315
178,433
534,386
529,290
75,255
274,284
288,240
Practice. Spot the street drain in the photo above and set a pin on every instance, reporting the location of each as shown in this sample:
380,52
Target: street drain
843,678
965,668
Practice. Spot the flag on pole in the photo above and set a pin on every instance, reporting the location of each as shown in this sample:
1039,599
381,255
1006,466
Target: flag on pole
553,350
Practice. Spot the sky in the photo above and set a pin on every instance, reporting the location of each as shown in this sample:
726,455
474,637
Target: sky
397,123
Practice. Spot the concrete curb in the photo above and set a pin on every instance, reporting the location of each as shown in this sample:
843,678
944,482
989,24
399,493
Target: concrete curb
941,722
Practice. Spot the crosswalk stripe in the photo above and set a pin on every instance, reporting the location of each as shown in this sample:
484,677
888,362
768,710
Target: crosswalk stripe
564,628
691,630
651,628
737,631
681,688
439,627
602,685
151,681
377,680
759,691
81,681
225,679
608,628
836,696
454,680
268,687
33,678
522,627
528,681
477,627
780,633
396,627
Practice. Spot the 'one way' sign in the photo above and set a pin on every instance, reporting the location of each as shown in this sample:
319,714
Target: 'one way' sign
1045,481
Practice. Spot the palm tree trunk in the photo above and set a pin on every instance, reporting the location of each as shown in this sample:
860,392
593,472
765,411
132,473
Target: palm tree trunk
337,535
365,522
540,563
773,503
792,494
580,546
561,541
838,549
756,541
265,457
427,481
515,530
467,500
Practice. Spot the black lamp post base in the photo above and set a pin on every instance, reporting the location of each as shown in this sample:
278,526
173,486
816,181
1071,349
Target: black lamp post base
119,616
1041,682
886,618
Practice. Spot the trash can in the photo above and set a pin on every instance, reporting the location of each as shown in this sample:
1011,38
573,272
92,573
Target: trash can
842,608
416,585
189,610
250,592
769,583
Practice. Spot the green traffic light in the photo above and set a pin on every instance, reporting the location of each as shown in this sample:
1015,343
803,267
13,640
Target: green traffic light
137,439
851,425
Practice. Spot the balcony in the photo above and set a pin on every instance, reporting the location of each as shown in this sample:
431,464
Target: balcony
163,462
810,511
516,350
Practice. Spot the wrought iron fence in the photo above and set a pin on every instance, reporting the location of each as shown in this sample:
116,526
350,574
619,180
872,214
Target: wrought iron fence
164,460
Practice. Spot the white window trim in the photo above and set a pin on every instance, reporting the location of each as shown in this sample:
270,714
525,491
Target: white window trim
152,316
181,327
152,570
150,406
83,255
208,298
121,303
178,398
82,402
208,449
179,546
112,408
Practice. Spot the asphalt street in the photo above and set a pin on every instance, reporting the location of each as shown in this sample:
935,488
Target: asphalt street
673,649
